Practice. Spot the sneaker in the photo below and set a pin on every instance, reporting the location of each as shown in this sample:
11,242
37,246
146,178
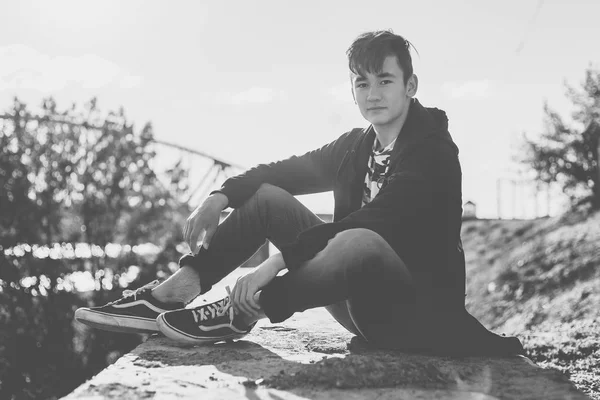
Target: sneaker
208,323
135,312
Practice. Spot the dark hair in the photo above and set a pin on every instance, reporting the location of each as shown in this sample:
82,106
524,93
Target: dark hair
369,50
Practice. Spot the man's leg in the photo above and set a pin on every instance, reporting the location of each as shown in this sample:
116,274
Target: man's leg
357,268
271,213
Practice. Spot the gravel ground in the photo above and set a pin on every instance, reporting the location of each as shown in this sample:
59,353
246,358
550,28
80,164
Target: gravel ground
310,356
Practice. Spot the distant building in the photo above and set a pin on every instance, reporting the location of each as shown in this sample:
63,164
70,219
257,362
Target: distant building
469,210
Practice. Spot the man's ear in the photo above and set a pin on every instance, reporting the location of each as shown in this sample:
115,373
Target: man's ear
412,85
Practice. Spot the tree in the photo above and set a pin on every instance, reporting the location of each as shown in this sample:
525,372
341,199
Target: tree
73,176
568,152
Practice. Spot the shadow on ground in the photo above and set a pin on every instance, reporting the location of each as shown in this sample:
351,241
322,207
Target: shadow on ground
310,356
362,368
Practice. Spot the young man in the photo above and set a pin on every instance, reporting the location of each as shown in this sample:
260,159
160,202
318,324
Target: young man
390,268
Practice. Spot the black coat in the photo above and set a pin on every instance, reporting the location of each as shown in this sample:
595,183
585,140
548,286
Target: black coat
418,211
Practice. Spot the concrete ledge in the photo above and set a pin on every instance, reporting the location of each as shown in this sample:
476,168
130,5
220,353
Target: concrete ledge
307,357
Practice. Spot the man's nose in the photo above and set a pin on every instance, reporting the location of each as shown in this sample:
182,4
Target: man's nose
374,94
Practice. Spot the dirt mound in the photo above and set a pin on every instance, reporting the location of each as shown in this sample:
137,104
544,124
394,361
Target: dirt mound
540,280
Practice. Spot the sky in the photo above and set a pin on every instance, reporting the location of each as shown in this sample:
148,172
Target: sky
257,81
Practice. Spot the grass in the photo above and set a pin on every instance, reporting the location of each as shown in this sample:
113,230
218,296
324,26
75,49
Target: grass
540,280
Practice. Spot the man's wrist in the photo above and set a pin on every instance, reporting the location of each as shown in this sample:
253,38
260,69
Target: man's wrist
220,198
274,263
278,261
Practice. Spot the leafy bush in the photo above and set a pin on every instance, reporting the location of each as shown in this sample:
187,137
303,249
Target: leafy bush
569,153
69,178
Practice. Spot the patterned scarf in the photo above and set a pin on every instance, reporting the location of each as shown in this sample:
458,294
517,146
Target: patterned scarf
378,165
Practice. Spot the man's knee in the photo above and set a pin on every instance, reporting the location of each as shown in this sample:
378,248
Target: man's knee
365,242
270,201
367,249
267,193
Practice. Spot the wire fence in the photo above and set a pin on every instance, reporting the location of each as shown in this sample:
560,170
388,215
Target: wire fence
519,198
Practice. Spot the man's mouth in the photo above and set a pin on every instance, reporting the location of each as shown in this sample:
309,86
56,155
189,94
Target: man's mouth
375,108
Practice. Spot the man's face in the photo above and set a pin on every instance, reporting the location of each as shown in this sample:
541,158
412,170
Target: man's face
382,98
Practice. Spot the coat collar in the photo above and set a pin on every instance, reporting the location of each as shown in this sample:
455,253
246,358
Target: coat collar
420,124
408,134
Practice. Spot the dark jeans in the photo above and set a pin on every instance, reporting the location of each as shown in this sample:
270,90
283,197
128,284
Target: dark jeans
358,277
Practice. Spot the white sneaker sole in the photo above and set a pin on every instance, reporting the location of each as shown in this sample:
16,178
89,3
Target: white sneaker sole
115,323
181,337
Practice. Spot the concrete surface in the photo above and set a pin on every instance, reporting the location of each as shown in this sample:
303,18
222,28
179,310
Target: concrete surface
311,357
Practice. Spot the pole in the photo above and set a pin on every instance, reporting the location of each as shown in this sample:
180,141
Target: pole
548,199
514,198
498,197
536,204
597,190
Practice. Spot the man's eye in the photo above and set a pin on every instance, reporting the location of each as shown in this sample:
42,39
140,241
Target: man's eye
361,85
386,82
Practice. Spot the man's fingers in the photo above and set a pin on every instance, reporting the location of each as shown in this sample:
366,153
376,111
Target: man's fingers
251,301
236,295
232,298
210,231
185,230
242,298
192,246
194,238
247,306
248,297
187,235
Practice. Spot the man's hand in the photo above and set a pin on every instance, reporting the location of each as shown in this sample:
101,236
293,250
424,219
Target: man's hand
203,221
246,287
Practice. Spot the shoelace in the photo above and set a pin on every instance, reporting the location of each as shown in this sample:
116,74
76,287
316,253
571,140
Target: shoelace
128,293
216,310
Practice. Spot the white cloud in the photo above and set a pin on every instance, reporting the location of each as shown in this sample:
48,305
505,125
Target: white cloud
130,81
254,95
23,67
467,90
